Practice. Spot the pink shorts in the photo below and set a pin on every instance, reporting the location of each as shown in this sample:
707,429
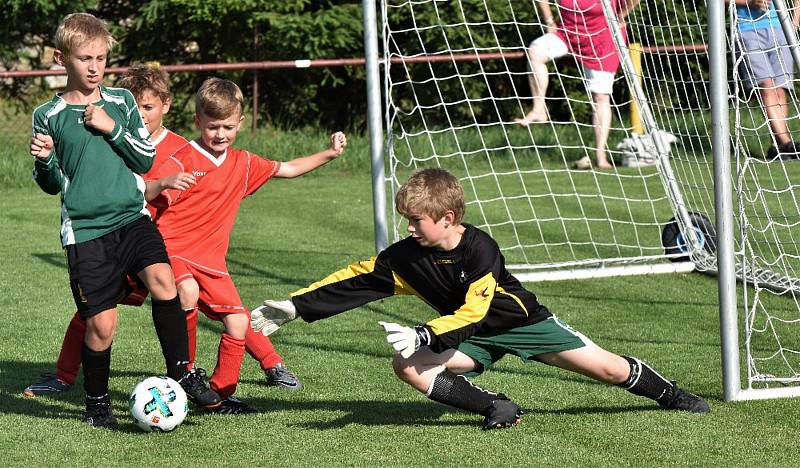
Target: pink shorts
218,294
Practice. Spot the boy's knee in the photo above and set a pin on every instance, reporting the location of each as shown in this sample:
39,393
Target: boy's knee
159,281
189,293
403,369
615,371
236,325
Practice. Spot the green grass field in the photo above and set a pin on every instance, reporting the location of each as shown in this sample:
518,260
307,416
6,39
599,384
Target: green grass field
353,411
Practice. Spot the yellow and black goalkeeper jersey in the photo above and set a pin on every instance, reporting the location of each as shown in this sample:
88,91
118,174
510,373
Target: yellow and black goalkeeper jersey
469,286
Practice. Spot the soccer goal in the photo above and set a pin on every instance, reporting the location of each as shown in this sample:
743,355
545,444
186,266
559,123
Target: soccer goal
455,78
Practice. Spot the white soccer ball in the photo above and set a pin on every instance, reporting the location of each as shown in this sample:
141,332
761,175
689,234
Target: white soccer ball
158,404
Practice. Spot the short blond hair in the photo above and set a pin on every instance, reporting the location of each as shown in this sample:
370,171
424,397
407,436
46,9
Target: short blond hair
146,77
432,192
78,29
219,99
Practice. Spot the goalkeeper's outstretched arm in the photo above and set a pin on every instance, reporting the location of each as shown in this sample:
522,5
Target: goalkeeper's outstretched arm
349,288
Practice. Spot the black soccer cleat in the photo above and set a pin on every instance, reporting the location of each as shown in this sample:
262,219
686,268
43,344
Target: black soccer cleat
684,401
49,384
501,414
197,390
280,376
231,405
98,413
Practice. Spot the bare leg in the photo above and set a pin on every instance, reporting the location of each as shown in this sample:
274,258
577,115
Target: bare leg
775,108
538,81
100,329
420,369
601,119
591,361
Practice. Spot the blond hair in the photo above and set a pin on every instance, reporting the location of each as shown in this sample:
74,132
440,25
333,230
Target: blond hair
219,99
431,192
146,77
78,29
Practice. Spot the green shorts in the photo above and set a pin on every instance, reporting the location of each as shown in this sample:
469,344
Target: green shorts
548,336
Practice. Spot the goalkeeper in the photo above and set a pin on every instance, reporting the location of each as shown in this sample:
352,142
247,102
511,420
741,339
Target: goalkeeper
484,312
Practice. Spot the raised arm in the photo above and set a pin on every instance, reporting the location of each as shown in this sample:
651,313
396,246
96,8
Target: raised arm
299,166
130,138
46,170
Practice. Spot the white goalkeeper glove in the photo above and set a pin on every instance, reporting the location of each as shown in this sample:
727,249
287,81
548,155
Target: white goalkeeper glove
406,340
270,316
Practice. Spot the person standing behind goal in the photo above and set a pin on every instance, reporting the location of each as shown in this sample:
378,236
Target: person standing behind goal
583,32
90,144
767,67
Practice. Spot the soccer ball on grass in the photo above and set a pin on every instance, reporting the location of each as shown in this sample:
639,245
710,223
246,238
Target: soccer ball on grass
158,404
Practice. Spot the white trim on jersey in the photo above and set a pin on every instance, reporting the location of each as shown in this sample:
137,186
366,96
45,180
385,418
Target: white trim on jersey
140,184
217,161
202,267
159,138
141,148
67,233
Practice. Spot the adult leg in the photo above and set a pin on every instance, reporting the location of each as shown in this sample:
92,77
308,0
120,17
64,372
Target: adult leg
775,106
601,120
538,81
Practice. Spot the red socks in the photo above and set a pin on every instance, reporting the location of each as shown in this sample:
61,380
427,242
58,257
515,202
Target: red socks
69,360
191,331
229,362
260,347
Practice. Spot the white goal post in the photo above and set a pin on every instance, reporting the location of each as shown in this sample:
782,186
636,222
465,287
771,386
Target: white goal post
694,187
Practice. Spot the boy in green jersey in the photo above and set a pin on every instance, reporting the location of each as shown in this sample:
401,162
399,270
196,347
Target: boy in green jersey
90,145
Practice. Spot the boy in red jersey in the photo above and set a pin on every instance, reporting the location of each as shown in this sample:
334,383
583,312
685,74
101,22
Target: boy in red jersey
196,223
150,87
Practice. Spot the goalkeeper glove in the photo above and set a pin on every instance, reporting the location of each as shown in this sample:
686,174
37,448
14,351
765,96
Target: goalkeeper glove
270,316
405,340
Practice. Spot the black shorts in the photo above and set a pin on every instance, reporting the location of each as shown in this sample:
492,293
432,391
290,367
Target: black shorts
98,268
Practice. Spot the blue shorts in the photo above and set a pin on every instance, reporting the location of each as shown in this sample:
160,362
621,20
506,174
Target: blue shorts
765,56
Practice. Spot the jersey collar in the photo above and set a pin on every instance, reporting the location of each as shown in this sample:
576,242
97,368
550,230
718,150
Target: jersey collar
217,161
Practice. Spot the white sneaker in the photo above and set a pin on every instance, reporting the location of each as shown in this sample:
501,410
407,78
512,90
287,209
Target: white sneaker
584,164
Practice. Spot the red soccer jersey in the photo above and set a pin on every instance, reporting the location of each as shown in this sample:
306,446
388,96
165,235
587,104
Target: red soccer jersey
584,28
197,223
166,145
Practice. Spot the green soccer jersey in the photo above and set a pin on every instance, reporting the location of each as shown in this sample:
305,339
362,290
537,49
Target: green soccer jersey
97,174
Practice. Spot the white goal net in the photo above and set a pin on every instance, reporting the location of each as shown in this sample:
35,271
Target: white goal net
457,81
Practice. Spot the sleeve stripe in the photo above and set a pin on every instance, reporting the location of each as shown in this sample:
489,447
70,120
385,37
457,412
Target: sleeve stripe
141,148
351,271
476,306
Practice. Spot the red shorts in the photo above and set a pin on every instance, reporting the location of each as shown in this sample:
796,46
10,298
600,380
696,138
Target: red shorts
218,294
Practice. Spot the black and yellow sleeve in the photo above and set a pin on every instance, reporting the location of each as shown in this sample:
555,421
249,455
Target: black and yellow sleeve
351,287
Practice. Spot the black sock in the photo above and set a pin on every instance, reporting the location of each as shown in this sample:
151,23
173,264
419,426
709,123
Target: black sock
456,390
646,382
170,322
96,369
